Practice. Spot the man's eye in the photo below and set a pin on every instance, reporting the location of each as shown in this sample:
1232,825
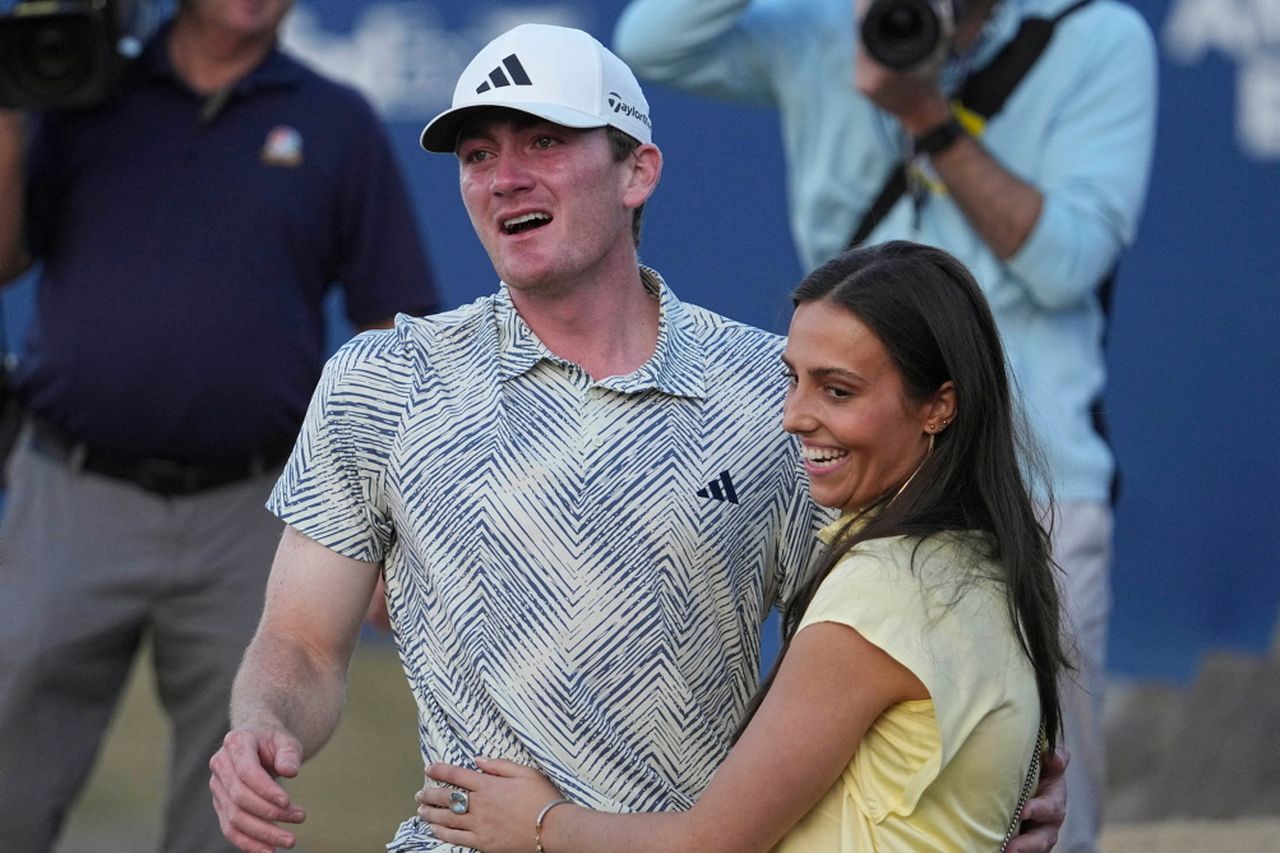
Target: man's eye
545,141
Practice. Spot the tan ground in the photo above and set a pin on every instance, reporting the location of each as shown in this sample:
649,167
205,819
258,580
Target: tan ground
362,784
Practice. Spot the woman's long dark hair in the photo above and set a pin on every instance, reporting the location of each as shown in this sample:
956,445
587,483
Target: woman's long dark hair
927,310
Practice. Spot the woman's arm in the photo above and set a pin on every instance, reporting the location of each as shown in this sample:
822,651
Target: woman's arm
831,687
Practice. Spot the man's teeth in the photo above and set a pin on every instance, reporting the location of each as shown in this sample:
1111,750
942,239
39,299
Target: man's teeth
518,223
823,455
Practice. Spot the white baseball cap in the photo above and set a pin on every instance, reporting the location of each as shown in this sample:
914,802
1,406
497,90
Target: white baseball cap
559,74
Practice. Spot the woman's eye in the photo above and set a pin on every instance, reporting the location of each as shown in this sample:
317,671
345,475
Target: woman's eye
839,393
790,376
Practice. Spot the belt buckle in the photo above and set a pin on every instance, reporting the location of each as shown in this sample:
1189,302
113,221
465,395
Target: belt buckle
166,477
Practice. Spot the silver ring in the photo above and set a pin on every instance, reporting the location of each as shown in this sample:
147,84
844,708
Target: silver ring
459,802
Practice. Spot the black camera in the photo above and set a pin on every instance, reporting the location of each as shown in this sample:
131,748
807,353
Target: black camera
908,35
56,54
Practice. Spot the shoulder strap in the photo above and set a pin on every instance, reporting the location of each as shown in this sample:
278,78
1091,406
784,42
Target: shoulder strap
1029,783
986,90
983,92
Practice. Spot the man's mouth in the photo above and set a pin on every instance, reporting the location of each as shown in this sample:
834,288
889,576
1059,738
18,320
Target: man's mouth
525,222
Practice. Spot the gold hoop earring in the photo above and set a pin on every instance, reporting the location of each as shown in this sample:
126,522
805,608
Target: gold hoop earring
927,453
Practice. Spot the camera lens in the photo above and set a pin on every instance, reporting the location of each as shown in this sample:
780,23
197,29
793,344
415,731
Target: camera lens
900,24
54,57
902,34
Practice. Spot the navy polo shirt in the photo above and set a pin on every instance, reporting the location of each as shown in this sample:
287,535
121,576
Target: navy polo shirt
187,256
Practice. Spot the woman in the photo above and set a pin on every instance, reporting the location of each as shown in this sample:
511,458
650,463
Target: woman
922,658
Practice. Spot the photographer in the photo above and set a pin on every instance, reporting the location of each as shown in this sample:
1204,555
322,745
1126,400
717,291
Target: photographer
1033,175
188,228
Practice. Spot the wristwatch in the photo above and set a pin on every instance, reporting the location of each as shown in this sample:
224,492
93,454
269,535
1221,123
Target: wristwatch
938,139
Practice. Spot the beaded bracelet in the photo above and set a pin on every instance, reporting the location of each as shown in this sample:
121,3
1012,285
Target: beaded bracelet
542,815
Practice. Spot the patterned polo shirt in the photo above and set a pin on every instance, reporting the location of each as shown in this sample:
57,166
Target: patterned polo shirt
577,570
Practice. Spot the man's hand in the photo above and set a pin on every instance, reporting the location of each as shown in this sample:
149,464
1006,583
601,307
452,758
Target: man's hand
1043,814
14,257
246,796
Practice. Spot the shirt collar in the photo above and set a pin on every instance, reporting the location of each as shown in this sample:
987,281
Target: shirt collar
675,368
833,530
1001,26
276,70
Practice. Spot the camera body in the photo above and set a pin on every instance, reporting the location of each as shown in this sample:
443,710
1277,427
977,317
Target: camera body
909,35
58,54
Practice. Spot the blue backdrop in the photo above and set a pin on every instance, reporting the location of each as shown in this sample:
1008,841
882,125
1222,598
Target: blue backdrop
1193,395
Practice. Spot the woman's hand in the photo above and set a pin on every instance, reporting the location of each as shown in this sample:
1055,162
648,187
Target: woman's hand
503,801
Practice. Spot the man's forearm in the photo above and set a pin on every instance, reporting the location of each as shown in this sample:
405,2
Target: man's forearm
1000,206
14,257
281,685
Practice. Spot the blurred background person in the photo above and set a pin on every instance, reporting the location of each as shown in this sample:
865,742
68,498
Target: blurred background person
1033,174
189,228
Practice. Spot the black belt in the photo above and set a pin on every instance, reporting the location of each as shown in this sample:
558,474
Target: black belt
159,476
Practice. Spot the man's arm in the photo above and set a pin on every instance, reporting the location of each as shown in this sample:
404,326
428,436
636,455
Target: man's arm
1061,235
701,46
288,695
14,257
999,205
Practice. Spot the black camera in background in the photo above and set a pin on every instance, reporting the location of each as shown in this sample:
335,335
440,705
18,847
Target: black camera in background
59,54
908,34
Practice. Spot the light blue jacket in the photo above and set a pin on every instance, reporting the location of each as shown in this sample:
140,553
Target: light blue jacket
1080,127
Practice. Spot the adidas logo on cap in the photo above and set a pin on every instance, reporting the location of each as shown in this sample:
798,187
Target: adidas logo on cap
560,74
497,78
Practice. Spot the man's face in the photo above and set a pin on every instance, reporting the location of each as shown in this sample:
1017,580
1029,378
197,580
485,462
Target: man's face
250,19
550,204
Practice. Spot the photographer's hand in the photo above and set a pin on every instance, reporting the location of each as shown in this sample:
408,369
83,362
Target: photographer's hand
913,99
14,257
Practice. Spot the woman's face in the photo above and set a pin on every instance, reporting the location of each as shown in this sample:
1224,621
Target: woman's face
860,433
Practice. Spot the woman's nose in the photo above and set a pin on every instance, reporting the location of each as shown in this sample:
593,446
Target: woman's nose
795,414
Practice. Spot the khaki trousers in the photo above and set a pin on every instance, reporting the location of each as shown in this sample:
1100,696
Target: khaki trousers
88,566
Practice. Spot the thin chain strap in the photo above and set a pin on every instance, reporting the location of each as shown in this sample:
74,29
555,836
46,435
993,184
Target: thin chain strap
1033,774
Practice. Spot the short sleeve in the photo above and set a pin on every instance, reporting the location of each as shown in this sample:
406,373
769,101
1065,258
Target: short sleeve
334,487
872,592
934,611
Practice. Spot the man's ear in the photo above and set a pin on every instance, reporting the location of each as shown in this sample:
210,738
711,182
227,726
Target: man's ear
645,168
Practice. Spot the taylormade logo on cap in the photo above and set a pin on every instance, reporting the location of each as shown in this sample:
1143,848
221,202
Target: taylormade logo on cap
560,74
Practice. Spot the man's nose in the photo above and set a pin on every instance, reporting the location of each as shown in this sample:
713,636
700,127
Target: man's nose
511,174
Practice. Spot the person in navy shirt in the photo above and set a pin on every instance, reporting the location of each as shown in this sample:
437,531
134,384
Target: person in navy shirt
188,230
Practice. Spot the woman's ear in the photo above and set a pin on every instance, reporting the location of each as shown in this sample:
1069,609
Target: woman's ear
940,411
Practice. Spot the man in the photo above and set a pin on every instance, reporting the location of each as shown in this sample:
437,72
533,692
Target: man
577,487
189,229
1038,201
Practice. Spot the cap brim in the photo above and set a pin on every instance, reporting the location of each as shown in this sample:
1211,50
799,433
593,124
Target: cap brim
441,133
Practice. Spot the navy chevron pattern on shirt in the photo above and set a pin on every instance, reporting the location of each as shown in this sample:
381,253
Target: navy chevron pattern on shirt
561,595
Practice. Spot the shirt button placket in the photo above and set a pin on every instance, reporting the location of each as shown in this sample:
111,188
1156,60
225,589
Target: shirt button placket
592,415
